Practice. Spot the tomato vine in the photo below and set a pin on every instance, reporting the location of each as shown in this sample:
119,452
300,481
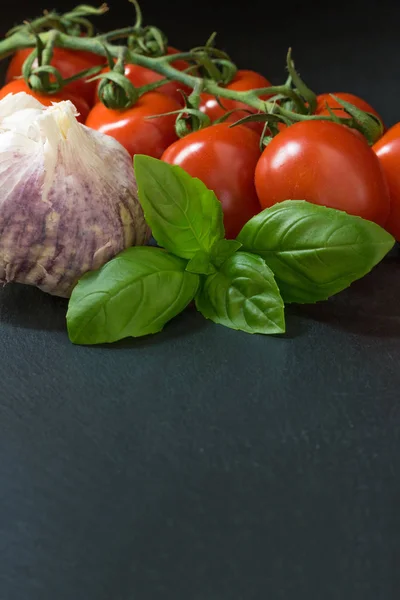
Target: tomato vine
209,71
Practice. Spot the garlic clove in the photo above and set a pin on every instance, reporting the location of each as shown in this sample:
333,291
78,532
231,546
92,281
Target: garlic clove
13,103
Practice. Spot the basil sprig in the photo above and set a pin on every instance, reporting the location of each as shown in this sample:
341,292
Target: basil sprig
293,252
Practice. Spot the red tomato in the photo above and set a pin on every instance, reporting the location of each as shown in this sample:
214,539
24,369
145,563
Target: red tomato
90,57
131,128
324,99
388,151
243,81
225,160
324,163
69,63
19,85
142,76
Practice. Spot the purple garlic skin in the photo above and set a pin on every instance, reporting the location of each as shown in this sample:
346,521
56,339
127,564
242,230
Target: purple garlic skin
68,196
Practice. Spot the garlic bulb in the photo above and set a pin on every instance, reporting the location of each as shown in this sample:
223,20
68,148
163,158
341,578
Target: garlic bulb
68,196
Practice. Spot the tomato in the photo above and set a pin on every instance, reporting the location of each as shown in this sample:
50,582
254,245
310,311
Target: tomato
142,76
90,57
14,69
324,163
19,85
324,99
69,63
243,81
387,150
131,128
225,160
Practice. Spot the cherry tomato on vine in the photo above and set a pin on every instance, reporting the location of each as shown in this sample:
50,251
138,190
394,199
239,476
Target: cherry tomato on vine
19,85
131,128
242,82
387,150
224,159
69,63
324,99
142,76
324,163
92,58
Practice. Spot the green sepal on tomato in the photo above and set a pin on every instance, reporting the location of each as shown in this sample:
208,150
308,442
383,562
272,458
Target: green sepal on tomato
19,85
224,158
243,81
69,63
140,76
133,129
324,163
326,100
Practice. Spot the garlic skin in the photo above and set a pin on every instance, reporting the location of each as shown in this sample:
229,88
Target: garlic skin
68,196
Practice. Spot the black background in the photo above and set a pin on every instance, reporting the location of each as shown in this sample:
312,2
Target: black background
206,464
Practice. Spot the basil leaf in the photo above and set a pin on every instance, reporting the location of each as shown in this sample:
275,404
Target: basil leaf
314,251
184,215
206,263
222,250
200,264
243,295
134,294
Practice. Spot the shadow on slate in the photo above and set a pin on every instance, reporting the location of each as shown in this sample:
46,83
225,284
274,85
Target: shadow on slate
28,307
360,309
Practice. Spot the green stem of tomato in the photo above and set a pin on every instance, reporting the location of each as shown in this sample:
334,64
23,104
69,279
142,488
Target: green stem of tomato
295,117
150,87
124,32
161,65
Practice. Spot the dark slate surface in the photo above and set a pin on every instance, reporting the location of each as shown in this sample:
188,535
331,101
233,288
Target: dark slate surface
206,464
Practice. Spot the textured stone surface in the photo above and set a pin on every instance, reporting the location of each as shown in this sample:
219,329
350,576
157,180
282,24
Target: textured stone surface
206,464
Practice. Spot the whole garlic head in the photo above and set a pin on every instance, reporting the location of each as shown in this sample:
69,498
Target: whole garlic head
68,196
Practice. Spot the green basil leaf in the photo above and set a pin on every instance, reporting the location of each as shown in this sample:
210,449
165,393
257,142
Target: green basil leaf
206,263
222,250
243,295
184,215
314,251
200,264
134,294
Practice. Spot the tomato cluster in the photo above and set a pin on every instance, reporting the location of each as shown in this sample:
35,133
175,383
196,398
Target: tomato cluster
320,161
